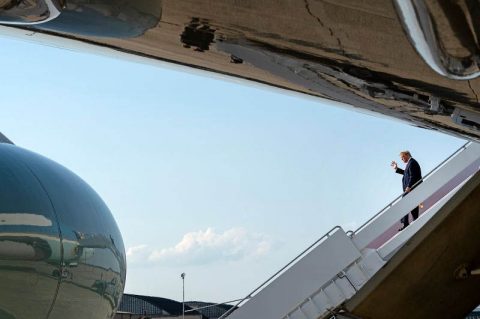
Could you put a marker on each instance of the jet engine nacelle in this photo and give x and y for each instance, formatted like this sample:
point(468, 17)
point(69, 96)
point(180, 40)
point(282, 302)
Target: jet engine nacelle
point(61, 253)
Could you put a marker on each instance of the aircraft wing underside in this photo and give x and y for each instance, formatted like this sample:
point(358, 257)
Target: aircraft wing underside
point(415, 61)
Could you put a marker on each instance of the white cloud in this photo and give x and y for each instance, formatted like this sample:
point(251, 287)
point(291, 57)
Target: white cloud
point(203, 247)
point(137, 253)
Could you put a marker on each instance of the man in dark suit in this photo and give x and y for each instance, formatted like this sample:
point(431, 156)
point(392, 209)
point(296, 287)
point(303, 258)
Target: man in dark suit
point(412, 176)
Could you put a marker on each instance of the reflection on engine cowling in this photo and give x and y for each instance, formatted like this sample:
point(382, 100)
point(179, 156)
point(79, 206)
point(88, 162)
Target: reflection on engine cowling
point(106, 18)
point(61, 253)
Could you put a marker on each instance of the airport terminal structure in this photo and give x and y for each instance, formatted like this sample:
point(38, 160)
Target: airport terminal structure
point(137, 306)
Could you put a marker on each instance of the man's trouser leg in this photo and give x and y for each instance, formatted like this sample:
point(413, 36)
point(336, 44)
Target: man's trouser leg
point(404, 221)
point(415, 213)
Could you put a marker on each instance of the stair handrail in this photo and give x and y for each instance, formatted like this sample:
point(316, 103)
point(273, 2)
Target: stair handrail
point(280, 271)
point(460, 149)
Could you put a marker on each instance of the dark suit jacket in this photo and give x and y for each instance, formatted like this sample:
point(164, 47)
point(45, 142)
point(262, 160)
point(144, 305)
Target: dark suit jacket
point(411, 175)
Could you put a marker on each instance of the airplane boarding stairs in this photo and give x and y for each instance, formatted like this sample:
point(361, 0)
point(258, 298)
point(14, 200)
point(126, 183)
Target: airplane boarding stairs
point(331, 272)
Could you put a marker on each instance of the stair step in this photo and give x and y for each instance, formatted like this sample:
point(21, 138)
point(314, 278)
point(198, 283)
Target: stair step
point(334, 293)
point(298, 314)
point(345, 285)
point(310, 309)
point(322, 301)
point(356, 275)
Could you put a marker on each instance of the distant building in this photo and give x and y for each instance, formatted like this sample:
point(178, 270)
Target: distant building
point(208, 309)
point(475, 314)
point(138, 306)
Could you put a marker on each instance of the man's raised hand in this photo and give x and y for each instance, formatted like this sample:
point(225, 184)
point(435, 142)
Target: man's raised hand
point(394, 165)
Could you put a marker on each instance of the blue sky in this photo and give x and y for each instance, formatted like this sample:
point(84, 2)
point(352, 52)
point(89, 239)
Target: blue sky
point(222, 179)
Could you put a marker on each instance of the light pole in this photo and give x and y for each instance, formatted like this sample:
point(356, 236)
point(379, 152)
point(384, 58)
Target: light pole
point(183, 294)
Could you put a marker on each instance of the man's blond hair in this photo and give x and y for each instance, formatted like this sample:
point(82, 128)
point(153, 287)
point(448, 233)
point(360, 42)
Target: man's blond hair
point(406, 153)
